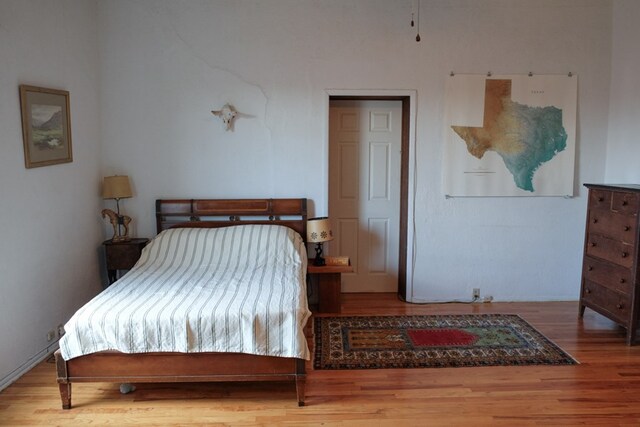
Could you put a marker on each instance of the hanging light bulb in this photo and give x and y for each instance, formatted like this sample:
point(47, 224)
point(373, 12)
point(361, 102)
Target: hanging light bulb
point(412, 24)
point(418, 28)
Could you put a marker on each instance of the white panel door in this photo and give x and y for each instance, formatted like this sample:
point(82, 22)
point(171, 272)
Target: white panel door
point(364, 191)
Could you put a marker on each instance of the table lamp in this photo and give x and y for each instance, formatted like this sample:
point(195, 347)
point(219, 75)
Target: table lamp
point(117, 187)
point(319, 231)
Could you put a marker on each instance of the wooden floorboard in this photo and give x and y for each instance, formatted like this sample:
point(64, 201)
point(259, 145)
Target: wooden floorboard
point(604, 389)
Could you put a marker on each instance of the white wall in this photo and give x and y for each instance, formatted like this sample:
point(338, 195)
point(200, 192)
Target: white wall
point(166, 64)
point(49, 215)
point(623, 149)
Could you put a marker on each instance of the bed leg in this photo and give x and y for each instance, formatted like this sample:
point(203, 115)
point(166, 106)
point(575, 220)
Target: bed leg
point(300, 385)
point(65, 395)
point(63, 380)
point(301, 378)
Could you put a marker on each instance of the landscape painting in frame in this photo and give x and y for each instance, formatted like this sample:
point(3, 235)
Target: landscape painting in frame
point(46, 126)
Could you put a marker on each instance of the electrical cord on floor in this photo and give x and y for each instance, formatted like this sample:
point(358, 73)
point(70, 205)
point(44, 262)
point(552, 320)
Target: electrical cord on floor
point(475, 299)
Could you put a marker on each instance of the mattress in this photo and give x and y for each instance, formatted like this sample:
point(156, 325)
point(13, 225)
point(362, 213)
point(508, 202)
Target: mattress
point(239, 289)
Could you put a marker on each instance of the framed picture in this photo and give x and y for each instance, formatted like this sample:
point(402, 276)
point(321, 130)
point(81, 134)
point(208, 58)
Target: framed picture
point(46, 126)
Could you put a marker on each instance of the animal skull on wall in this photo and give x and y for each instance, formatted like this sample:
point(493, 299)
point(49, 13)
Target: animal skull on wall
point(227, 114)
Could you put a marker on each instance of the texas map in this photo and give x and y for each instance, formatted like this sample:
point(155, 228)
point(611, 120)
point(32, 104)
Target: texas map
point(509, 135)
point(524, 136)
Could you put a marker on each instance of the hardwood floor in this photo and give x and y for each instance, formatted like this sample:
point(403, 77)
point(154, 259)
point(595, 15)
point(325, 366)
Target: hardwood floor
point(604, 389)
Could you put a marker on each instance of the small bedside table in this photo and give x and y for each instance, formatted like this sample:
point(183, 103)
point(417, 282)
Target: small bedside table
point(122, 255)
point(329, 281)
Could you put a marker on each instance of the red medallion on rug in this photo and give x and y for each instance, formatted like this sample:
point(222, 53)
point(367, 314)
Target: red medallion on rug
point(440, 337)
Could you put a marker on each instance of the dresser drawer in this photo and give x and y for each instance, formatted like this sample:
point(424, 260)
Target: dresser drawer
point(608, 275)
point(599, 199)
point(613, 303)
point(609, 249)
point(625, 203)
point(612, 224)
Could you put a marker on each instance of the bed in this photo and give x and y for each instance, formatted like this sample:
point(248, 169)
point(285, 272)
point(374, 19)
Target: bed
point(251, 243)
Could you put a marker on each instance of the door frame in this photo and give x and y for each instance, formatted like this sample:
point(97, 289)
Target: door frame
point(407, 171)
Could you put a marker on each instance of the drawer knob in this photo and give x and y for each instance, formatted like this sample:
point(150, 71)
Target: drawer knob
point(590, 268)
point(595, 220)
point(587, 291)
point(619, 306)
point(622, 280)
point(624, 203)
point(592, 244)
point(624, 254)
point(601, 199)
point(627, 228)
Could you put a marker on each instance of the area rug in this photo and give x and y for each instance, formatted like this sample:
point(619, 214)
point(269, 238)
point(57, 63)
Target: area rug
point(435, 341)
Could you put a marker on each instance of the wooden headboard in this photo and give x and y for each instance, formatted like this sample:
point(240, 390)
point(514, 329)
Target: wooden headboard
point(215, 213)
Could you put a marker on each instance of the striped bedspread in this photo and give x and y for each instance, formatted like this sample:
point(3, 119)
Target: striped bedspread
point(235, 289)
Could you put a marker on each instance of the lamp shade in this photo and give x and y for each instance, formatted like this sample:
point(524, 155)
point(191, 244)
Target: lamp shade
point(319, 230)
point(116, 187)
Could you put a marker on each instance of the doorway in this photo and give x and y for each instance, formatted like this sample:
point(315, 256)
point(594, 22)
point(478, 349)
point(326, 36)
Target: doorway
point(368, 189)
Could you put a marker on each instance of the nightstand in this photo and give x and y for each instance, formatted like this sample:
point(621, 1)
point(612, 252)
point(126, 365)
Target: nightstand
point(122, 255)
point(329, 280)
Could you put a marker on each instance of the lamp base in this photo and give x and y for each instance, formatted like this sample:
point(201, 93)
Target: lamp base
point(116, 221)
point(318, 261)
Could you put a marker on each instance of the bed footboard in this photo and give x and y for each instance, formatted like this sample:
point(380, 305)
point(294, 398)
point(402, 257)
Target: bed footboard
point(177, 367)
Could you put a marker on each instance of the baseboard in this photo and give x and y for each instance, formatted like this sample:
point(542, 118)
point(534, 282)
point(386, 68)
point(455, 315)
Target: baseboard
point(14, 375)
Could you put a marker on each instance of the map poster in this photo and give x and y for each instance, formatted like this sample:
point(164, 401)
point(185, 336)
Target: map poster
point(509, 135)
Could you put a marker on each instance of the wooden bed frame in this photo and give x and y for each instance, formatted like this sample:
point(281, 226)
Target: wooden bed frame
point(113, 366)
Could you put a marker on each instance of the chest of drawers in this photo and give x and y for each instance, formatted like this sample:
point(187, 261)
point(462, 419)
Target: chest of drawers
point(610, 279)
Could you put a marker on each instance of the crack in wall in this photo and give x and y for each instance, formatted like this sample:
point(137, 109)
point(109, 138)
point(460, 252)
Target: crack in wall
point(218, 68)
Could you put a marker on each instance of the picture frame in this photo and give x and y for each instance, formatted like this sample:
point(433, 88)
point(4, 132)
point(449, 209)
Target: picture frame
point(46, 126)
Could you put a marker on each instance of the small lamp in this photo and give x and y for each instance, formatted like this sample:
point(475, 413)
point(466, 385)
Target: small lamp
point(319, 231)
point(117, 187)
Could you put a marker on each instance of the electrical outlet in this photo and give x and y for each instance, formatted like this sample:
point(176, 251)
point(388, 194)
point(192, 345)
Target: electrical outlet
point(60, 330)
point(51, 335)
point(476, 293)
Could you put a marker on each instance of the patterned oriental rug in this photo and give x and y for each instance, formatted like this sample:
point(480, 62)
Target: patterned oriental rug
point(436, 341)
